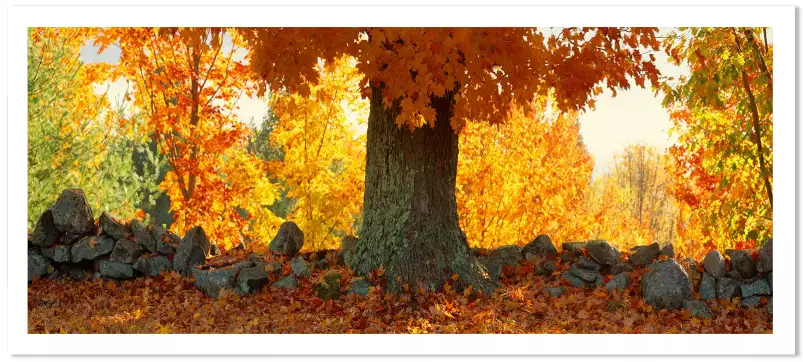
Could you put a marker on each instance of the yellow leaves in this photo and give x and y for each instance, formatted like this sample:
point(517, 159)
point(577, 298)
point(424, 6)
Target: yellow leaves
point(165, 329)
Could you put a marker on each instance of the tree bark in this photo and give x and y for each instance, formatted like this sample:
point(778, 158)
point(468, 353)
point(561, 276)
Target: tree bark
point(410, 221)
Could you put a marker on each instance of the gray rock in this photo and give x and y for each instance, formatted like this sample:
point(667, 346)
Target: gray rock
point(508, 255)
point(578, 282)
point(143, 236)
point(288, 240)
point(644, 255)
point(668, 250)
point(751, 302)
point(252, 280)
point(621, 268)
point(300, 268)
point(92, 248)
point(728, 288)
point(769, 280)
point(555, 291)
point(708, 287)
point(348, 245)
point(733, 274)
point(588, 264)
point(329, 288)
point(714, 264)
point(72, 215)
point(619, 281)
point(546, 268)
point(574, 246)
point(540, 247)
point(78, 274)
point(603, 252)
point(115, 270)
point(758, 287)
point(273, 268)
point(38, 266)
point(697, 309)
point(764, 264)
point(151, 265)
point(112, 226)
point(192, 251)
point(58, 253)
point(212, 281)
point(288, 282)
point(126, 251)
point(769, 306)
point(743, 263)
point(359, 286)
point(167, 244)
point(45, 233)
point(584, 274)
point(665, 284)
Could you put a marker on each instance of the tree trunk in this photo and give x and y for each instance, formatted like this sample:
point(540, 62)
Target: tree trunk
point(410, 222)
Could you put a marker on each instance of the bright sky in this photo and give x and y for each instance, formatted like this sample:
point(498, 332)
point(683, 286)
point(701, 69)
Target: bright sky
point(633, 116)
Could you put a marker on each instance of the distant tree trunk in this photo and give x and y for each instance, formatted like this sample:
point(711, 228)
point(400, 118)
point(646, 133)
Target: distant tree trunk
point(410, 221)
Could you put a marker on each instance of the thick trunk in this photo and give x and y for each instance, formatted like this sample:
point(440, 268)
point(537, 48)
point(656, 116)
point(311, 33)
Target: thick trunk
point(410, 222)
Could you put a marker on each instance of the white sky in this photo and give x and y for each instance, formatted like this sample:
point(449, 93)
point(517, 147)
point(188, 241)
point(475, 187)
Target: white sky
point(633, 116)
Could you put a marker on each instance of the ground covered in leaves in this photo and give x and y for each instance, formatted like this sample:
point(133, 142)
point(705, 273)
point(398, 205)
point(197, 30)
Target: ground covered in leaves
point(170, 304)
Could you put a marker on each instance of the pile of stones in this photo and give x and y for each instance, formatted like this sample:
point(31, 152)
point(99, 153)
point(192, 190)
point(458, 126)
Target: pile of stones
point(67, 241)
point(665, 282)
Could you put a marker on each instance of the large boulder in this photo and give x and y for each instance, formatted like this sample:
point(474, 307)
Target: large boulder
point(112, 226)
point(643, 255)
point(212, 281)
point(714, 264)
point(288, 240)
point(143, 236)
point(192, 251)
point(152, 265)
point(72, 215)
point(539, 248)
point(38, 266)
point(764, 264)
point(708, 287)
point(742, 262)
point(603, 252)
point(58, 253)
point(45, 233)
point(115, 270)
point(91, 248)
point(252, 279)
point(665, 284)
point(126, 251)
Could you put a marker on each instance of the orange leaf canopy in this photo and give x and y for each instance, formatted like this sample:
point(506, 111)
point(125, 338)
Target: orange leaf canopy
point(486, 70)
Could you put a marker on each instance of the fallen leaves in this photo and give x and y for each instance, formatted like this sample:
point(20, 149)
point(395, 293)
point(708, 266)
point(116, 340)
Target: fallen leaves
point(170, 304)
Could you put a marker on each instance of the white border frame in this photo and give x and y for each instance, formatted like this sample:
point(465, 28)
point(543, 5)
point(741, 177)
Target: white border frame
point(782, 19)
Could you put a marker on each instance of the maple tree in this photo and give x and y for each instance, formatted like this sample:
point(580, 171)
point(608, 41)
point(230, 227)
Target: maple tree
point(722, 114)
point(323, 159)
point(432, 81)
point(522, 178)
point(70, 127)
point(186, 83)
